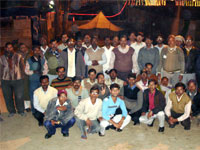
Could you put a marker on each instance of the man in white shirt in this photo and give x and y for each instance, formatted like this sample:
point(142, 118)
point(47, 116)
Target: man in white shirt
point(43, 45)
point(88, 111)
point(178, 107)
point(87, 41)
point(95, 56)
point(72, 60)
point(108, 49)
point(41, 97)
point(64, 39)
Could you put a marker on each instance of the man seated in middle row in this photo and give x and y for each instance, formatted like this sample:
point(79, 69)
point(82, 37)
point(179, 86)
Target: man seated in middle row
point(76, 92)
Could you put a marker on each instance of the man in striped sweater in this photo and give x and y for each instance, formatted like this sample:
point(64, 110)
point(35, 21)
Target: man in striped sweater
point(62, 81)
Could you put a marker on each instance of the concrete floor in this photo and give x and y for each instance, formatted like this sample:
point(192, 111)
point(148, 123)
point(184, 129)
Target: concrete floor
point(23, 133)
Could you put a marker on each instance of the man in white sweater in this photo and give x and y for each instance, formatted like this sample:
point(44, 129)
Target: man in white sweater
point(87, 113)
point(41, 97)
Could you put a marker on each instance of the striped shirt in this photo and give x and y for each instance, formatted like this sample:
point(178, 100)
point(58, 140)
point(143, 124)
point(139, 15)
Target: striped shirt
point(61, 84)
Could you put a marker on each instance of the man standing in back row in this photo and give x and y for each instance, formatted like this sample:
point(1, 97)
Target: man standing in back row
point(172, 62)
point(123, 59)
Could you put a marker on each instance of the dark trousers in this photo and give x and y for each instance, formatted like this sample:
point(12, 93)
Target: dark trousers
point(64, 127)
point(186, 123)
point(10, 87)
point(123, 75)
point(135, 116)
point(39, 116)
point(33, 85)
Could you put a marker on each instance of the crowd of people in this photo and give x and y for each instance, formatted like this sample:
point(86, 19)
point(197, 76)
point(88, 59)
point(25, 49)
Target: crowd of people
point(102, 88)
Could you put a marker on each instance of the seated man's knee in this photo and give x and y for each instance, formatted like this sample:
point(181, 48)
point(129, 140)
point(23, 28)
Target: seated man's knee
point(161, 114)
point(47, 123)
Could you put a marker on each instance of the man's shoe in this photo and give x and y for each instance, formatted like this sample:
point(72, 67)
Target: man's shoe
point(23, 114)
point(47, 136)
point(28, 110)
point(101, 134)
point(135, 123)
point(119, 130)
point(186, 128)
point(151, 125)
point(161, 129)
point(65, 134)
point(40, 124)
point(11, 114)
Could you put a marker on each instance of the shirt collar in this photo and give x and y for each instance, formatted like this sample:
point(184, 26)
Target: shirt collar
point(179, 99)
point(58, 103)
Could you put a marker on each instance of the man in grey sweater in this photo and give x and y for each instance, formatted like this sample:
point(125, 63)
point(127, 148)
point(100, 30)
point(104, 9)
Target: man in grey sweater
point(148, 54)
point(172, 62)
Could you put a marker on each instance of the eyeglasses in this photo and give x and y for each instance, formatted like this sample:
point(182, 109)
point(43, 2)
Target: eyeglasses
point(188, 40)
point(94, 93)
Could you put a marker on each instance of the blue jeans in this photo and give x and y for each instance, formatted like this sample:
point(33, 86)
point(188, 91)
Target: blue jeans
point(64, 128)
point(33, 85)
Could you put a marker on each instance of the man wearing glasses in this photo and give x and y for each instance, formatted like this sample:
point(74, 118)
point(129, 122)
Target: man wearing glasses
point(88, 112)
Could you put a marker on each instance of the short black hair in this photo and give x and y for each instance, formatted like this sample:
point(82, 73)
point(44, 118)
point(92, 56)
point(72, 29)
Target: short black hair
point(192, 81)
point(180, 84)
point(76, 78)
point(115, 70)
point(189, 36)
point(123, 36)
point(107, 37)
point(114, 85)
point(131, 75)
point(148, 37)
point(35, 46)
point(92, 70)
point(152, 80)
point(164, 78)
point(100, 73)
point(58, 68)
point(149, 64)
point(94, 87)
point(43, 77)
point(53, 40)
point(8, 43)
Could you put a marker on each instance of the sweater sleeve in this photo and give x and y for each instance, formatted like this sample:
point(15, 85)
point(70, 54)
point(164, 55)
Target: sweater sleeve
point(123, 108)
point(104, 109)
point(182, 61)
point(79, 111)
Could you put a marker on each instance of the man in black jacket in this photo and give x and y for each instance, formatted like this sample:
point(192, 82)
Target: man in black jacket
point(195, 97)
point(190, 53)
point(153, 106)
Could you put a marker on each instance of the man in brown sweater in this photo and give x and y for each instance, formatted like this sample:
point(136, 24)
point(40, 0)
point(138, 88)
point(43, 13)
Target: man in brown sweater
point(172, 62)
point(123, 59)
point(95, 56)
point(178, 107)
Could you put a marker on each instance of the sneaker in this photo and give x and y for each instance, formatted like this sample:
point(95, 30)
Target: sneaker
point(119, 130)
point(100, 134)
point(83, 137)
point(47, 136)
point(28, 110)
point(65, 134)
point(11, 114)
point(151, 125)
point(161, 129)
point(23, 114)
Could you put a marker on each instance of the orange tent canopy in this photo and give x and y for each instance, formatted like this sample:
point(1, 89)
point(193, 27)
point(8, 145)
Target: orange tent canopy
point(100, 22)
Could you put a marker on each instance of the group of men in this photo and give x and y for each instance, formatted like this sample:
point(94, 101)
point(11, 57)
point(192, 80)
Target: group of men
point(103, 88)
